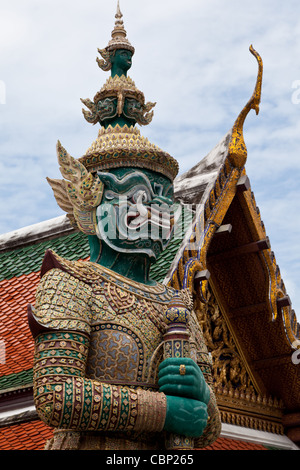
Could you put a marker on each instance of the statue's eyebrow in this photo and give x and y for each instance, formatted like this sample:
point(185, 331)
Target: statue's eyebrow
point(127, 183)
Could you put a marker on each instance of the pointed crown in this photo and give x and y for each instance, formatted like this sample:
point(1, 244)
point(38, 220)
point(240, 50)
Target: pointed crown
point(118, 40)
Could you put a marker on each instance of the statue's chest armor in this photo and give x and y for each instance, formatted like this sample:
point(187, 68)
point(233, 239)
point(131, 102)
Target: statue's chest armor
point(126, 335)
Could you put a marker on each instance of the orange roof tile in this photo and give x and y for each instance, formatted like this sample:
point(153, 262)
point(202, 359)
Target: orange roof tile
point(26, 436)
point(33, 436)
point(223, 443)
point(16, 294)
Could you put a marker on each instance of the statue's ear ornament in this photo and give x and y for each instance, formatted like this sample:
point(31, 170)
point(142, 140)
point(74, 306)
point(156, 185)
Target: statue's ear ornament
point(79, 193)
point(105, 62)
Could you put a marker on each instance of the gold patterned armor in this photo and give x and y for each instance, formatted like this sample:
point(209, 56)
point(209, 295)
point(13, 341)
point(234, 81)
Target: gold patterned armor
point(99, 342)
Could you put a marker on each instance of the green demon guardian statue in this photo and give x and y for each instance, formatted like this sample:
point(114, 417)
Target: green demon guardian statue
point(120, 360)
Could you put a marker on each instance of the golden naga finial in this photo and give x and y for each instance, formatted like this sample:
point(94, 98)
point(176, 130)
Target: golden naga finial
point(237, 148)
point(255, 100)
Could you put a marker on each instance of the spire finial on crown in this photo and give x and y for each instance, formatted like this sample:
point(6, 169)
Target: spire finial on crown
point(119, 24)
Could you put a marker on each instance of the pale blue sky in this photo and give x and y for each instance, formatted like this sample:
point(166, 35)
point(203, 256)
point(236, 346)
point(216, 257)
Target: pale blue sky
point(191, 57)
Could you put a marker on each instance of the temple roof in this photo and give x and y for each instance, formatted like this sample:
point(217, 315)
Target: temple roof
point(192, 186)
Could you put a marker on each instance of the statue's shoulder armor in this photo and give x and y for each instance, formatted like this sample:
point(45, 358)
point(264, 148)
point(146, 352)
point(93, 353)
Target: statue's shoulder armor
point(63, 296)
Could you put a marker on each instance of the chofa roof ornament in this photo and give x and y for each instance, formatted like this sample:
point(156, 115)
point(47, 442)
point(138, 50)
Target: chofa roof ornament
point(237, 148)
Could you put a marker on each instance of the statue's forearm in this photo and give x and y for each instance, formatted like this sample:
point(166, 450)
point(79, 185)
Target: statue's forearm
point(65, 398)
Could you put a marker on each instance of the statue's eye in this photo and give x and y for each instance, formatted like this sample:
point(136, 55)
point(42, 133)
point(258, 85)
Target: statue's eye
point(110, 195)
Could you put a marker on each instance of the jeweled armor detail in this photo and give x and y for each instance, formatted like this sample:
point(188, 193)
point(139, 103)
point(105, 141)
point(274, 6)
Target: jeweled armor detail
point(97, 355)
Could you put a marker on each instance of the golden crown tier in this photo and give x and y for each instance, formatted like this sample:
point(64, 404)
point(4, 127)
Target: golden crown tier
point(124, 146)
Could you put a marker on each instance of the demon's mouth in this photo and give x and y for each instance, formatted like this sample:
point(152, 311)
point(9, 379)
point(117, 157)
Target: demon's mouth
point(135, 219)
point(154, 215)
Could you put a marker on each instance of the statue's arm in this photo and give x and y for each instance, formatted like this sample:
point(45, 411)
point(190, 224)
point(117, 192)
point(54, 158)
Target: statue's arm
point(64, 397)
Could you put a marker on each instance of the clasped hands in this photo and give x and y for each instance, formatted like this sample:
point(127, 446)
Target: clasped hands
point(187, 396)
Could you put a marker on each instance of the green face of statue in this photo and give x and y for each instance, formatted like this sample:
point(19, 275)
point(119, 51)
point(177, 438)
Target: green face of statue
point(136, 215)
point(121, 62)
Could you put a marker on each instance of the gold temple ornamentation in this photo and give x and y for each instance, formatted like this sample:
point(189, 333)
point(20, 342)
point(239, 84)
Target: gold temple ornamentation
point(238, 399)
point(193, 256)
point(276, 288)
point(237, 148)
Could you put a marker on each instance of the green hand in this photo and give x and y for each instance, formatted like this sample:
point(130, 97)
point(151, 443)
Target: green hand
point(190, 385)
point(185, 416)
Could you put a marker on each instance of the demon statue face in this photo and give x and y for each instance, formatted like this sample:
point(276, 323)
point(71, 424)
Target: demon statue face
point(136, 214)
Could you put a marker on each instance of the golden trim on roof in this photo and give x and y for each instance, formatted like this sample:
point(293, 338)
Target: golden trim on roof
point(238, 396)
point(194, 255)
point(277, 288)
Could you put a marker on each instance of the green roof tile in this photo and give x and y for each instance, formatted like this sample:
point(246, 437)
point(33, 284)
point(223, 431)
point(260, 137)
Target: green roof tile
point(16, 380)
point(25, 260)
point(160, 269)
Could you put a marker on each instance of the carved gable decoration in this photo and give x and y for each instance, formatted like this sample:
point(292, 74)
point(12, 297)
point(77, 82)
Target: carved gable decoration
point(237, 397)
